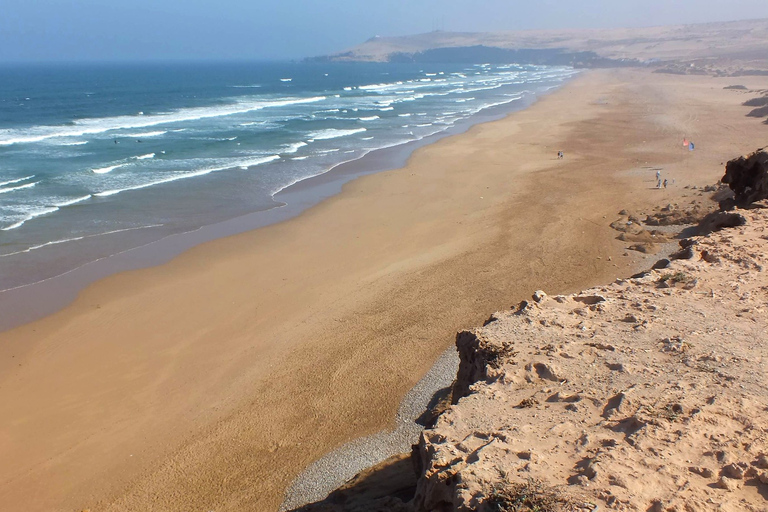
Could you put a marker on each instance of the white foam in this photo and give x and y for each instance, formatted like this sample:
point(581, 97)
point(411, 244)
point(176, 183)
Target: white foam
point(184, 175)
point(18, 180)
point(91, 126)
point(300, 158)
point(333, 133)
point(74, 239)
point(144, 134)
point(78, 143)
point(73, 201)
point(366, 138)
point(286, 79)
point(30, 216)
point(379, 87)
point(105, 170)
point(369, 118)
point(144, 157)
point(387, 109)
point(292, 148)
point(20, 187)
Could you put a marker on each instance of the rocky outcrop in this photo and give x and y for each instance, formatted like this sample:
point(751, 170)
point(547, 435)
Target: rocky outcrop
point(648, 394)
point(748, 178)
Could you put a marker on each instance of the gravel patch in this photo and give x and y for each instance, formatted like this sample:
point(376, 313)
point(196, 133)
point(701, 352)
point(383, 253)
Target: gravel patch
point(334, 469)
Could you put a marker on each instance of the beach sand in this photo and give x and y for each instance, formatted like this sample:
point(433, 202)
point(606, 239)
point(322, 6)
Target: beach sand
point(210, 382)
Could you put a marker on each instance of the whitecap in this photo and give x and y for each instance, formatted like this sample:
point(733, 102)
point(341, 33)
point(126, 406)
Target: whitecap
point(144, 134)
point(144, 157)
point(82, 127)
point(105, 170)
point(333, 133)
point(73, 201)
point(184, 175)
point(369, 118)
point(293, 148)
point(30, 216)
point(17, 180)
point(20, 187)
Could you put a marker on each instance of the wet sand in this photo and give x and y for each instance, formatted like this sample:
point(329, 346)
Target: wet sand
point(211, 381)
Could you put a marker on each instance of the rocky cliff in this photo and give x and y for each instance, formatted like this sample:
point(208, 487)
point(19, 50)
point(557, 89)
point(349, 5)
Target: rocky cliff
point(647, 394)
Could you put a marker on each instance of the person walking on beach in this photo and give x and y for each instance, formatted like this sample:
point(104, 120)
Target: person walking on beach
point(665, 183)
point(658, 175)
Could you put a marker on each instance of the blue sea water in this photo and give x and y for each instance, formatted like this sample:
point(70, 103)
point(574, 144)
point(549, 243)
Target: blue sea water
point(97, 158)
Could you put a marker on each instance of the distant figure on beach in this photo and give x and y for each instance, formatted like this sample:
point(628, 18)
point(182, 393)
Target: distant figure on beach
point(665, 183)
point(658, 183)
point(691, 147)
point(685, 143)
point(560, 155)
point(658, 175)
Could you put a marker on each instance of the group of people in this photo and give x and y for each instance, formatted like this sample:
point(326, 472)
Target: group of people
point(659, 183)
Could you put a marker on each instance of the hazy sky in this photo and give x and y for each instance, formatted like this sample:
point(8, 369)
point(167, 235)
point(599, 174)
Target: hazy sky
point(285, 29)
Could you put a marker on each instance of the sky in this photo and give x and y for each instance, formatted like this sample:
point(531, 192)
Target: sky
point(137, 30)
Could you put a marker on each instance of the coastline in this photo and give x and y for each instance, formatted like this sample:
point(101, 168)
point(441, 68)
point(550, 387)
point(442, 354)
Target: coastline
point(212, 380)
point(26, 303)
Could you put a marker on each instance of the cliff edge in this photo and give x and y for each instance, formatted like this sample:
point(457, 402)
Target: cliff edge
point(648, 394)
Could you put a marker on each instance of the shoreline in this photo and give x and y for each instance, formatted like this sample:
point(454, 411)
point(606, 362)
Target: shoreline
point(211, 381)
point(22, 304)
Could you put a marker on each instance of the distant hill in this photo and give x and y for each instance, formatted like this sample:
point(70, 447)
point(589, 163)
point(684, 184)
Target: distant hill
point(739, 43)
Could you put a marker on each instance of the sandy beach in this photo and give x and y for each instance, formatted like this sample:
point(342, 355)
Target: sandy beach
point(210, 382)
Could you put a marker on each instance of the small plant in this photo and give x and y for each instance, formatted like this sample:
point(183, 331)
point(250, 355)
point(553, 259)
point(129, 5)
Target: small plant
point(531, 496)
point(677, 277)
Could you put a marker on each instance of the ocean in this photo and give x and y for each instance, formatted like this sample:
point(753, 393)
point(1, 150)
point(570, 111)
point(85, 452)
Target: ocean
point(98, 159)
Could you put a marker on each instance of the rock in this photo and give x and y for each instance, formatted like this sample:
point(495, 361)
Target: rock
point(702, 471)
point(762, 461)
point(643, 248)
point(748, 178)
point(662, 263)
point(734, 471)
point(539, 296)
point(716, 221)
point(589, 299)
point(545, 371)
point(763, 477)
point(729, 484)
